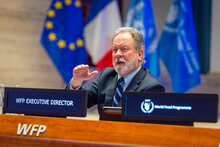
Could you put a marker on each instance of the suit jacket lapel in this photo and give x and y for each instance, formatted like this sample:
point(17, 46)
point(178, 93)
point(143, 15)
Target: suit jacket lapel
point(110, 91)
point(134, 84)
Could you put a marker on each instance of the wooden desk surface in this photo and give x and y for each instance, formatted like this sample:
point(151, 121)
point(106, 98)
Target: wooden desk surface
point(75, 132)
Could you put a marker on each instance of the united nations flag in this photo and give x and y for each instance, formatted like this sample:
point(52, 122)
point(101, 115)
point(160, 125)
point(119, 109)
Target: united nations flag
point(178, 47)
point(62, 36)
point(140, 16)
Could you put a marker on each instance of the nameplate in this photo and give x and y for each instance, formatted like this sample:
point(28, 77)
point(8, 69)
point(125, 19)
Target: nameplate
point(172, 107)
point(45, 102)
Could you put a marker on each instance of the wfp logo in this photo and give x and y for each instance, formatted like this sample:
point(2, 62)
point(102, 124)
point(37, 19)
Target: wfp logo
point(147, 106)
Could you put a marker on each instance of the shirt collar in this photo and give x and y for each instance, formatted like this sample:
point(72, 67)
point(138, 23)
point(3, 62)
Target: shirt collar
point(129, 77)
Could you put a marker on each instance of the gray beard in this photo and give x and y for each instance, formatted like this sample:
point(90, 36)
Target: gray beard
point(127, 68)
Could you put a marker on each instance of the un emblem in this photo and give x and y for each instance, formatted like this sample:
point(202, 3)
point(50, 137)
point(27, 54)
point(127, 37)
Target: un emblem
point(147, 106)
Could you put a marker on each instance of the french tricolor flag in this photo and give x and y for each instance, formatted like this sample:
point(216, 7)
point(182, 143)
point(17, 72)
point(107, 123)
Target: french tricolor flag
point(103, 20)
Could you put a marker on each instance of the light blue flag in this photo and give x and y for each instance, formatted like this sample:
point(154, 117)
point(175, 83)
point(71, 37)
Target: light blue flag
point(62, 36)
point(140, 16)
point(178, 47)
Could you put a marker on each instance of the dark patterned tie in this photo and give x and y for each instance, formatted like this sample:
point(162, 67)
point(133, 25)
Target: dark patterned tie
point(118, 92)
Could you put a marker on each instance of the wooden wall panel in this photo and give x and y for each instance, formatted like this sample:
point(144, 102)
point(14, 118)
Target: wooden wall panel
point(23, 61)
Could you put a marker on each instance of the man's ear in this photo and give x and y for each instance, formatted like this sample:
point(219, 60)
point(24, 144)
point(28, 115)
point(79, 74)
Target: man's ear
point(140, 54)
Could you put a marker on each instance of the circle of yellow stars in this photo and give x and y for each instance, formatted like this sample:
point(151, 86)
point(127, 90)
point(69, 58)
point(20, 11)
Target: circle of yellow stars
point(49, 25)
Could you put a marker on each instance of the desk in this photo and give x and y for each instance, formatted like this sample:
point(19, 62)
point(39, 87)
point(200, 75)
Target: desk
point(76, 132)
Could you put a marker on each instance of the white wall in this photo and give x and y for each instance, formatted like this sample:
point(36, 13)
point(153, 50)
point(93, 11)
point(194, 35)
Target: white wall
point(161, 8)
point(215, 37)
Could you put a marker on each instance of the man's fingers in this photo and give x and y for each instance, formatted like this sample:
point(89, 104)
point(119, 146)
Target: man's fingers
point(92, 74)
point(81, 68)
point(82, 72)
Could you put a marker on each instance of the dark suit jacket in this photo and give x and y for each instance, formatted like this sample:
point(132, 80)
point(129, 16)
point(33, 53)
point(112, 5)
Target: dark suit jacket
point(102, 90)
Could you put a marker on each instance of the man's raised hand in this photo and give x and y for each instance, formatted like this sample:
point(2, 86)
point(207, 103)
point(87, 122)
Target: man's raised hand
point(80, 74)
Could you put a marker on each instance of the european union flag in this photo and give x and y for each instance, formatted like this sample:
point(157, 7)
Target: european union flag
point(62, 36)
point(140, 16)
point(178, 48)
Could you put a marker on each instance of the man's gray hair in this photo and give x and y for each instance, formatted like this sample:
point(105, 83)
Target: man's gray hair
point(136, 35)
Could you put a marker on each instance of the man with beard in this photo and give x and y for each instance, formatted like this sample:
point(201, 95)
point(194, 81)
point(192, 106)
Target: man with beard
point(128, 57)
